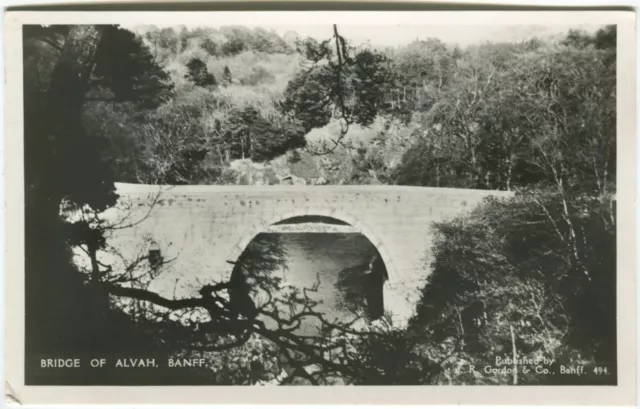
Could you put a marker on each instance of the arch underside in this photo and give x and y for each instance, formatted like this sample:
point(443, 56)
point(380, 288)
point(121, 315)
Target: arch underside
point(338, 218)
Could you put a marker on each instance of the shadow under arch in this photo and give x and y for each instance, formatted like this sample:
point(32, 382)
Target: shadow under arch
point(335, 214)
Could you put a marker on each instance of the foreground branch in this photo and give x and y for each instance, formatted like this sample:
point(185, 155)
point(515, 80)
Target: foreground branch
point(155, 298)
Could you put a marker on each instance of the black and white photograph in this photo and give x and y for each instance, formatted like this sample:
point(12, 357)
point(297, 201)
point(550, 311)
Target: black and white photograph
point(270, 203)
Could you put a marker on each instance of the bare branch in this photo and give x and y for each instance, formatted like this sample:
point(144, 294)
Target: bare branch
point(153, 297)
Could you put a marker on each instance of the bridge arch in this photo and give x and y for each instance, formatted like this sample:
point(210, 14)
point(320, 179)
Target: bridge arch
point(250, 233)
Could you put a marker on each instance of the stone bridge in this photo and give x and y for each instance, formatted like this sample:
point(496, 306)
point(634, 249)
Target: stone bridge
point(203, 227)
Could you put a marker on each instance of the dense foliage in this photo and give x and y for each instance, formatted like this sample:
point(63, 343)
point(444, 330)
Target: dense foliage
point(532, 276)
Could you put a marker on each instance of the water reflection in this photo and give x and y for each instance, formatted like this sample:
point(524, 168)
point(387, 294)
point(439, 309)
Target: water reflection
point(345, 269)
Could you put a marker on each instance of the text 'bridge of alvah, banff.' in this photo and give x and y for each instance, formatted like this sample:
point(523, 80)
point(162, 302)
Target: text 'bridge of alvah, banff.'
point(204, 229)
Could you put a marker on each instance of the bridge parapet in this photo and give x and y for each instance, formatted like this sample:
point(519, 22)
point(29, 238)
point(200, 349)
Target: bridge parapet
point(205, 226)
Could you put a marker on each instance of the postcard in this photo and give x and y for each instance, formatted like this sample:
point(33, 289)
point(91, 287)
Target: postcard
point(402, 207)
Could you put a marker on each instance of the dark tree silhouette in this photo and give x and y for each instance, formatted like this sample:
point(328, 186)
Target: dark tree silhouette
point(349, 87)
point(226, 76)
point(125, 66)
point(64, 168)
point(199, 73)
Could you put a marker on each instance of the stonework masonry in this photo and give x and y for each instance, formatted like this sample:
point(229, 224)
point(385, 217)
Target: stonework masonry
point(204, 227)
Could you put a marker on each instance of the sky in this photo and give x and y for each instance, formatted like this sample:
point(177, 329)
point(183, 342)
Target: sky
point(393, 35)
point(462, 35)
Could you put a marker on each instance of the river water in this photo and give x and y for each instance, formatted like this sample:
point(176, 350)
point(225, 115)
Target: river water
point(324, 258)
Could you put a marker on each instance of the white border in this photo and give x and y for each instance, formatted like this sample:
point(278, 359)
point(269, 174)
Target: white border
point(623, 394)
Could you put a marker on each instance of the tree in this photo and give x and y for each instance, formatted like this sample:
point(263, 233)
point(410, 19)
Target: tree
point(226, 76)
point(64, 167)
point(422, 69)
point(249, 135)
point(199, 73)
point(268, 41)
point(348, 87)
point(486, 127)
point(126, 68)
point(53, 137)
point(578, 39)
point(606, 38)
point(233, 46)
point(210, 46)
point(175, 146)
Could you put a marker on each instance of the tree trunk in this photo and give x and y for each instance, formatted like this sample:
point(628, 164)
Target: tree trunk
point(220, 155)
point(515, 355)
point(509, 173)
